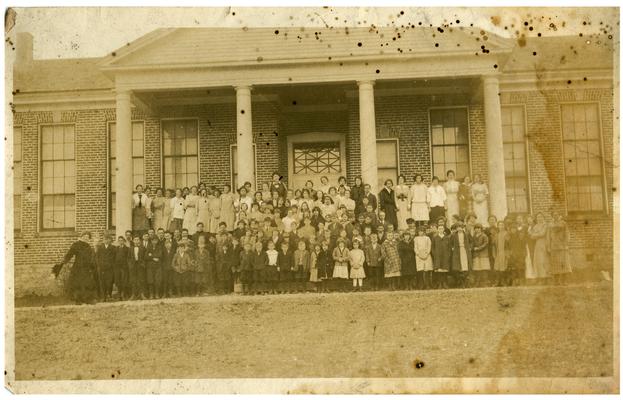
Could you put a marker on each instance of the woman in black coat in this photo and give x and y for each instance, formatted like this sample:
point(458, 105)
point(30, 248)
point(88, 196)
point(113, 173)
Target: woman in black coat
point(82, 284)
point(387, 203)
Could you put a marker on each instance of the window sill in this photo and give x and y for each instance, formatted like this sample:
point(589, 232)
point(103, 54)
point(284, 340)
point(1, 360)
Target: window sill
point(586, 215)
point(57, 233)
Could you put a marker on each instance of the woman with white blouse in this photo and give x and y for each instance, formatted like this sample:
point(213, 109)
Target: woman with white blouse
point(451, 186)
point(480, 195)
point(190, 215)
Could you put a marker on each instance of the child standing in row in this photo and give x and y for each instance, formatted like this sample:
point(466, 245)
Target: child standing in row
point(480, 261)
point(423, 261)
point(442, 256)
point(356, 259)
point(406, 248)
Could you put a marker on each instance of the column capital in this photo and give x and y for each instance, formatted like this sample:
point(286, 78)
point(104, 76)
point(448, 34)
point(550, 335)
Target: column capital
point(123, 93)
point(365, 83)
point(243, 88)
point(490, 79)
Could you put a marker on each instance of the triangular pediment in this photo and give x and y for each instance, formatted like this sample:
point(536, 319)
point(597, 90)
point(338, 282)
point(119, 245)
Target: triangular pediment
point(188, 47)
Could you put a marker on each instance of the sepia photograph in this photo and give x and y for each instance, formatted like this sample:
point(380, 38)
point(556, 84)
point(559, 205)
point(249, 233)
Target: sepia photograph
point(313, 200)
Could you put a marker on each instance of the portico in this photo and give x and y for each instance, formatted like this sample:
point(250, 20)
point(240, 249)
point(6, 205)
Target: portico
point(140, 72)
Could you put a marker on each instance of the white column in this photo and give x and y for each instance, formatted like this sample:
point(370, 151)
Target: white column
point(367, 129)
point(495, 147)
point(244, 135)
point(124, 166)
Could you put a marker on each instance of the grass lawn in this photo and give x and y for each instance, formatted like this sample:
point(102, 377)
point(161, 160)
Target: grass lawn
point(488, 332)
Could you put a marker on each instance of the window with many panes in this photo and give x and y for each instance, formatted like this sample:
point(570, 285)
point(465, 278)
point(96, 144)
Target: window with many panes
point(515, 160)
point(449, 141)
point(58, 177)
point(17, 178)
point(138, 162)
point(234, 168)
point(387, 161)
point(180, 144)
point(582, 157)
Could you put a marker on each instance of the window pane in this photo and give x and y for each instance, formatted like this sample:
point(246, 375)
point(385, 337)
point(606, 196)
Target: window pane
point(449, 135)
point(567, 113)
point(59, 134)
point(449, 154)
point(191, 146)
point(437, 133)
point(568, 131)
point(580, 130)
point(137, 148)
point(438, 154)
point(386, 154)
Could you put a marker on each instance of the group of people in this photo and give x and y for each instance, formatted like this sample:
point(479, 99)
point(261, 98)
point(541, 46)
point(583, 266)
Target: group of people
point(202, 240)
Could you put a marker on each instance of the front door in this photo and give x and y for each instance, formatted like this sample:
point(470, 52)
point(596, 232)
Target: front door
point(314, 155)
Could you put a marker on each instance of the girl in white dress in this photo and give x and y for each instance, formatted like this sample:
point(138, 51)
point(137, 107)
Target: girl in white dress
point(401, 197)
point(228, 214)
point(419, 206)
point(190, 215)
point(452, 197)
point(480, 194)
point(422, 246)
point(203, 210)
point(341, 257)
point(356, 259)
point(214, 205)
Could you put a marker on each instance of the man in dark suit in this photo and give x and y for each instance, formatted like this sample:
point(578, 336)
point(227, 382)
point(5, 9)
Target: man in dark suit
point(105, 263)
point(200, 232)
point(371, 199)
point(136, 269)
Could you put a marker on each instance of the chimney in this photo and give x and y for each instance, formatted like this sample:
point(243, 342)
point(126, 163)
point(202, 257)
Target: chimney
point(23, 48)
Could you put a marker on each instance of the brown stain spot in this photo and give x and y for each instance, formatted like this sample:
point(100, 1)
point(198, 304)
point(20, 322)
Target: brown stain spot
point(495, 20)
point(418, 364)
point(521, 41)
point(113, 54)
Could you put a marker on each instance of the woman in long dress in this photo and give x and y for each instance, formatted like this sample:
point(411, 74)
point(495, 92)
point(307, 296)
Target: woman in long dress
point(480, 194)
point(214, 205)
point(451, 186)
point(190, 215)
point(140, 213)
point(419, 206)
point(203, 210)
point(387, 203)
point(158, 203)
point(538, 232)
point(167, 210)
point(228, 214)
point(82, 285)
point(401, 193)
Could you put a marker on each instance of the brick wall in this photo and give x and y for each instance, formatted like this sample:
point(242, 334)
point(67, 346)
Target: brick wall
point(403, 117)
point(544, 132)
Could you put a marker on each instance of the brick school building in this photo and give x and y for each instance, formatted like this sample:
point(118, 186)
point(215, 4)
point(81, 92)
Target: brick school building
point(223, 106)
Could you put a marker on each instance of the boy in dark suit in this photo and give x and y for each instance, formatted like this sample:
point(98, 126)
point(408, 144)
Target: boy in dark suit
point(285, 263)
point(105, 264)
point(153, 266)
point(120, 269)
point(259, 260)
point(136, 269)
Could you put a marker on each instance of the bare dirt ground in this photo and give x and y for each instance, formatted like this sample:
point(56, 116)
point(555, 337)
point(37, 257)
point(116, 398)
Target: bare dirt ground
point(527, 331)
